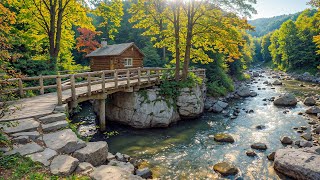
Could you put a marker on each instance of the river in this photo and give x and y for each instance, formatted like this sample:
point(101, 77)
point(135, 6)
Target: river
point(186, 150)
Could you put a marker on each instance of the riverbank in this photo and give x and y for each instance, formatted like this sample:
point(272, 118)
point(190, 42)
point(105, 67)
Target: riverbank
point(187, 149)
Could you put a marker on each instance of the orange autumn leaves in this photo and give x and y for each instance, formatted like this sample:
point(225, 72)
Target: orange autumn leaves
point(86, 42)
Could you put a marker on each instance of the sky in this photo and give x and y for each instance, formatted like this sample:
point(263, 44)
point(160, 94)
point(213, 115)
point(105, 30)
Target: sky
point(270, 8)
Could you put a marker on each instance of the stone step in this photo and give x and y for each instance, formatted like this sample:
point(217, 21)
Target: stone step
point(63, 165)
point(32, 135)
point(44, 156)
point(20, 126)
point(64, 141)
point(54, 126)
point(25, 149)
point(53, 118)
point(95, 153)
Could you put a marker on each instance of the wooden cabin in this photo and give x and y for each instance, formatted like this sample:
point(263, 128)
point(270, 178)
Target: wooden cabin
point(116, 56)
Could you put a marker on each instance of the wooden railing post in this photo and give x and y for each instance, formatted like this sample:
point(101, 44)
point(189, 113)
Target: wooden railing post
point(103, 85)
point(73, 89)
point(158, 75)
point(20, 87)
point(116, 78)
point(128, 77)
point(41, 85)
point(89, 85)
point(139, 76)
point(59, 90)
point(148, 74)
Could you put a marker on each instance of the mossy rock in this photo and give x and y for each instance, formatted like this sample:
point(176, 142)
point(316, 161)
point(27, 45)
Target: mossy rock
point(225, 169)
point(224, 138)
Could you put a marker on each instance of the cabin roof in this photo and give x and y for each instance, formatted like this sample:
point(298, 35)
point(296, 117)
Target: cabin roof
point(112, 50)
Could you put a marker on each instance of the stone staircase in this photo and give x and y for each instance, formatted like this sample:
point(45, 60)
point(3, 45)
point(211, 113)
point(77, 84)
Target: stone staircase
point(48, 140)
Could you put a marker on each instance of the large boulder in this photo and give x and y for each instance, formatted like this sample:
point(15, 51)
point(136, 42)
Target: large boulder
point(143, 109)
point(224, 138)
point(190, 102)
point(309, 101)
point(298, 163)
point(243, 91)
point(313, 110)
point(285, 100)
point(63, 165)
point(107, 172)
point(218, 107)
point(225, 168)
point(94, 153)
point(147, 108)
point(64, 141)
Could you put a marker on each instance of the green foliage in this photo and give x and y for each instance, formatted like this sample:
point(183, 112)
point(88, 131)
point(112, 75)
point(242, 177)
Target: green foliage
point(111, 133)
point(19, 167)
point(152, 58)
point(292, 47)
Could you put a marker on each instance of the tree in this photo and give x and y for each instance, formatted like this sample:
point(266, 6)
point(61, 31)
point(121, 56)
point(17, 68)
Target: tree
point(192, 28)
point(110, 13)
point(86, 42)
point(316, 3)
point(152, 58)
point(265, 43)
point(51, 21)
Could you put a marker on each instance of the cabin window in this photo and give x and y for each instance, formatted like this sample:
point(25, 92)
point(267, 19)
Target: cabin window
point(127, 62)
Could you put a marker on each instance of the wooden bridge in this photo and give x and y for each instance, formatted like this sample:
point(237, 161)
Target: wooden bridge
point(72, 89)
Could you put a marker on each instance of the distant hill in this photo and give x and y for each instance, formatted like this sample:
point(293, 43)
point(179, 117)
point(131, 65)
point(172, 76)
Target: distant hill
point(266, 25)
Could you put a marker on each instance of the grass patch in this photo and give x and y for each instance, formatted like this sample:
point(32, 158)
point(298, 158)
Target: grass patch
point(16, 167)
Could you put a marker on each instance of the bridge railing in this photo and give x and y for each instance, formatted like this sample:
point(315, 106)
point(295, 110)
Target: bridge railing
point(115, 78)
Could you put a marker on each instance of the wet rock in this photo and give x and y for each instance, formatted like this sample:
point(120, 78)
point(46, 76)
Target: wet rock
point(24, 125)
point(266, 82)
point(243, 91)
point(260, 127)
point(251, 153)
point(300, 131)
point(120, 157)
point(44, 156)
point(286, 100)
point(277, 83)
point(271, 156)
point(297, 163)
point(313, 110)
point(225, 168)
point(110, 156)
point(286, 140)
point(64, 141)
point(259, 146)
point(307, 136)
point(304, 128)
point(253, 94)
point(123, 165)
point(251, 111)
point(63, 165)
point(255, 74)
point(305, 144)
point(107, 172)
point(144, 173)
point(94, 153)
point(309, 101)
point(317, 130)
point(218, 107)
point(223, 138)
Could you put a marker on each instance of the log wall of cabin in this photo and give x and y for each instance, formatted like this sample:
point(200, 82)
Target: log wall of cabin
point(103, 63)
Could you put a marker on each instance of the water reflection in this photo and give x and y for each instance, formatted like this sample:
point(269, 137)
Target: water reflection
point(186, 151)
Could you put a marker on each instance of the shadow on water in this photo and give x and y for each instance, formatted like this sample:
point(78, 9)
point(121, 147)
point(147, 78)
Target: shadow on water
point(186, 150)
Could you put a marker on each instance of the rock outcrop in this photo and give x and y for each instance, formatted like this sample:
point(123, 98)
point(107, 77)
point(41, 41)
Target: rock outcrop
point(94, 153)
point(298, 163)
point(147, 109)
point(285, 100)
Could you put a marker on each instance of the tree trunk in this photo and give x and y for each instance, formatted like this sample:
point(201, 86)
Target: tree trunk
point(188, 42)
point(177, 40)
point(52, 31)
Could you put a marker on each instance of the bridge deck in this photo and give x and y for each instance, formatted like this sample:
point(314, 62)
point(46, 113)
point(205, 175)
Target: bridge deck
point(45, 104)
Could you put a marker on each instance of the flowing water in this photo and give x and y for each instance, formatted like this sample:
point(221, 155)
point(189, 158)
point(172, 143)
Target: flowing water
point(186, 150)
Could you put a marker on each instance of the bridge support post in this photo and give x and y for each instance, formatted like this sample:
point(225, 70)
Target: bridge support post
point(102, 114)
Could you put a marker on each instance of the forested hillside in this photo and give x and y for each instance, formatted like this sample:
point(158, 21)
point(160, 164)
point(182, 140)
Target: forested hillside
point(265, 25)
point(293, 46)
